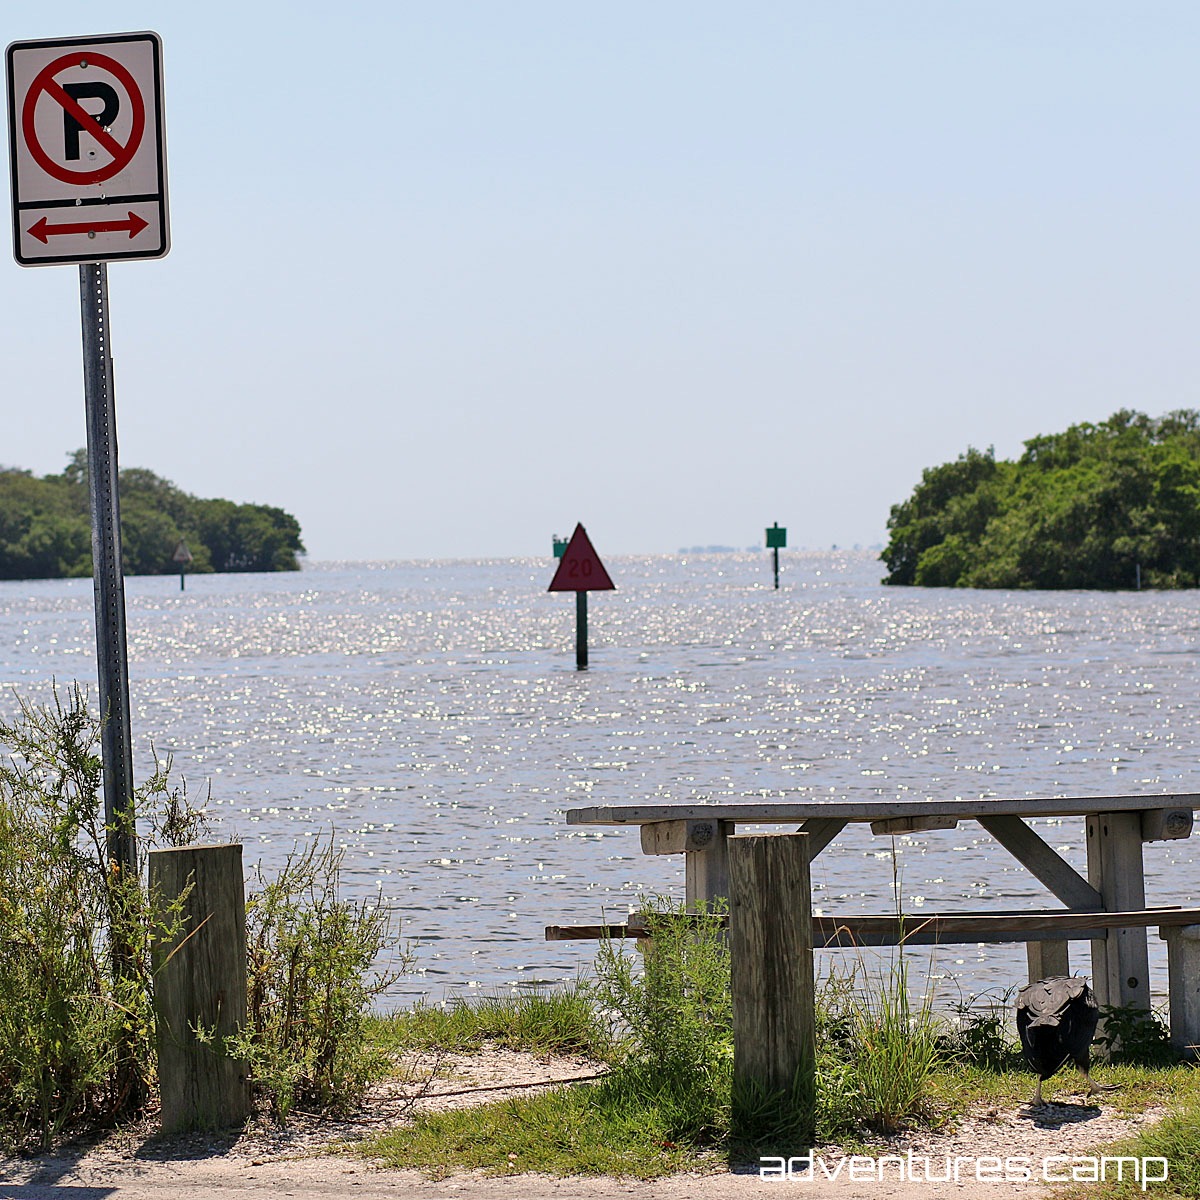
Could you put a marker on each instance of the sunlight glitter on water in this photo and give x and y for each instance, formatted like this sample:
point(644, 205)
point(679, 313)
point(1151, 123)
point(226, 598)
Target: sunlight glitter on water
point(429, 716)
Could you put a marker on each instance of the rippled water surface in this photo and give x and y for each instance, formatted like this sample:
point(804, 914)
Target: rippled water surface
point(431, 717)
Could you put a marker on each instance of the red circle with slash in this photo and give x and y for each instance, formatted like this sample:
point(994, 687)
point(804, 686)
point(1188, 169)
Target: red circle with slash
point(45, 82)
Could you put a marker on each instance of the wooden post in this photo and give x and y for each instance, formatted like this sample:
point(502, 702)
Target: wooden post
point(771, 966)
point(581, 655)
point(1120, 962)
point(200, 984)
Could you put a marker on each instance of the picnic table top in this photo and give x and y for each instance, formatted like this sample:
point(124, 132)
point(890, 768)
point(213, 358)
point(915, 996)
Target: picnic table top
point(787, 812)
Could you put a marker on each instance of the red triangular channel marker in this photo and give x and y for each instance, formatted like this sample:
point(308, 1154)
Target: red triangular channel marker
point(580, 569)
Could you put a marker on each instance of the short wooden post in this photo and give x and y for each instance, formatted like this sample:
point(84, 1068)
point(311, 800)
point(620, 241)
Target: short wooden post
point(771, 965)
point(200, 985)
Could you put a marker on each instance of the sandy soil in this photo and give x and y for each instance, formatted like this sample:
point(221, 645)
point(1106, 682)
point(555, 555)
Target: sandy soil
point(262, 1163)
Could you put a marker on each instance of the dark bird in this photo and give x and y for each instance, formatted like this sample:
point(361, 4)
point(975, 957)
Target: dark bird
point(1056, 1021)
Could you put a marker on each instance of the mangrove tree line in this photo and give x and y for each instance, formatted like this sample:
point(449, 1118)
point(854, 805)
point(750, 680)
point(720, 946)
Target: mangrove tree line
point(1100, 506)
point(45, 527)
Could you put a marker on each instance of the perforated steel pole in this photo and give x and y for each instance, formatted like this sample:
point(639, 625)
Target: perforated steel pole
point(111, 655)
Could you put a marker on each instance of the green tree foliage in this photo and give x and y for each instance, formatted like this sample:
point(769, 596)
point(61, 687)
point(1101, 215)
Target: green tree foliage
point(46, 533)
point(1088, 508)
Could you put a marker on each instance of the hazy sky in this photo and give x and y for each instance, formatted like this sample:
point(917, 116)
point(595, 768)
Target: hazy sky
point(448, 277)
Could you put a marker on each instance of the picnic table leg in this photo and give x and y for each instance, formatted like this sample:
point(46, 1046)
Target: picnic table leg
point(1120, 962)
point(1183, 969)
point(1047, 959)
point(706, 872)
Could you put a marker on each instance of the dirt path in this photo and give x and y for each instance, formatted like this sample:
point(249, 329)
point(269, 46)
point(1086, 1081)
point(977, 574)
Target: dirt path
point(267, 1164)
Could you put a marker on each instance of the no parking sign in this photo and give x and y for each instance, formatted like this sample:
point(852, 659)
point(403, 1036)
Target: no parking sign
point(87, 153)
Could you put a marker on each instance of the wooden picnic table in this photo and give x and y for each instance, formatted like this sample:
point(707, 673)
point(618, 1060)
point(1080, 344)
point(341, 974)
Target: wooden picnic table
point(1116, 827)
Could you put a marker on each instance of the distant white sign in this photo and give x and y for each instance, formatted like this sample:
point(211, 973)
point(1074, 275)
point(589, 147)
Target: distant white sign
point(87, 151)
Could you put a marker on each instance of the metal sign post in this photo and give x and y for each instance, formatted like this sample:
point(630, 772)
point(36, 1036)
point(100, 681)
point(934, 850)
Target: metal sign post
point(112, 660)
point(776, 537)
point(183, 556)
point(87, 171)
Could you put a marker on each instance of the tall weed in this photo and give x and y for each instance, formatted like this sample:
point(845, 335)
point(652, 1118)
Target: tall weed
point(982, 1034)
point(1132, 1035)
point(77, 1038)
point(76, 1019)
point(671, 1015)
point(311, 957)
point(876, 1050)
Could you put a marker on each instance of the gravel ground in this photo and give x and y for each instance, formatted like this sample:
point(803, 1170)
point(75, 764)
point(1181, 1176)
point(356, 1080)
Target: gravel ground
point(263, 1163)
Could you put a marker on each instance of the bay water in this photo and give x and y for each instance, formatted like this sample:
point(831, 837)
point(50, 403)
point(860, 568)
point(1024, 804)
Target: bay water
point(429, 718)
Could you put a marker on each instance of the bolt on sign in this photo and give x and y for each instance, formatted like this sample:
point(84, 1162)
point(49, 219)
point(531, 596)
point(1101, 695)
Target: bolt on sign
point(86, 149)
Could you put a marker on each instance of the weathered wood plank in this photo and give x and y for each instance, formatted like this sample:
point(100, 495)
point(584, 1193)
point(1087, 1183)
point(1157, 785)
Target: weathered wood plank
point(931, 928)
point(913, 824)
point(1166, 824)
point(821, 831)
point(771, 975)
point(1042, 861)
point(786, 812)
point(679, 837)
point(587, 933)
point(200, 983)
point(935, 928)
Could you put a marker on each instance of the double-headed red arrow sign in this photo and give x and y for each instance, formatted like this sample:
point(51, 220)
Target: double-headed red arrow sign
point(44, 231)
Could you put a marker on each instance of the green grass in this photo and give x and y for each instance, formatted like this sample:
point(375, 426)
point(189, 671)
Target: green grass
point(637, 1123)
point(615, 1127)
point(607, 1128)
point(563, 1021)
point(956, 1089)
point(1177, 1139)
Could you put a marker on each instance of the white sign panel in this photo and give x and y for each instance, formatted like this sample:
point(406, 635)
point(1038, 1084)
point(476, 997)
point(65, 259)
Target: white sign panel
point(86, 149)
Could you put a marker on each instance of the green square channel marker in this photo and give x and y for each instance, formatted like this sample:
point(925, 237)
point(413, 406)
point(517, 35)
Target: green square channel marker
point(776, 537)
